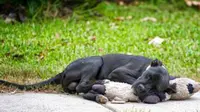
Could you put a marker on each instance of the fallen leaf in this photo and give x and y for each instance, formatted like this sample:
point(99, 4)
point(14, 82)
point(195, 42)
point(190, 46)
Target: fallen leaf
point(188, 2)
point(57, 35)
point(125, 2)
point(148, 19)
point(121, 3)
point(156, 41)
point(192, 3)
point(120, 18)
point(113, 26)
point(136, 3)
point(93, 38)
point(13, 92)
point(88, 22)
point(129, 17)
point(41, 55)
point(100, 50)
point(34, 33)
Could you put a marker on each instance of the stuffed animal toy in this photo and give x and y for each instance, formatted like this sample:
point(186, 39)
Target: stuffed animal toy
point(182, 88)
point(117, 92)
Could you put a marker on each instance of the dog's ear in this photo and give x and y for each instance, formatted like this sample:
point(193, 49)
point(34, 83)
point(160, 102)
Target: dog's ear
point(155, 63)
point(171, 89)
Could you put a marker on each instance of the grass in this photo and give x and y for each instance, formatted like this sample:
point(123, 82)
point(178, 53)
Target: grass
point(37, 50)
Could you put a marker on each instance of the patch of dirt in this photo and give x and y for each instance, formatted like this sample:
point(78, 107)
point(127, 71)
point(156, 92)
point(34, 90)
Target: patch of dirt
point(26, 80)
point(45, 89)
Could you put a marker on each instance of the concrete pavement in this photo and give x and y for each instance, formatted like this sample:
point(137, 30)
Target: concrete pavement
point(42, 102)
point(189, 105)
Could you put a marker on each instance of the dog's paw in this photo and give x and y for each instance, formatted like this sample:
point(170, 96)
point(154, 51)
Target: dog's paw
point(118, 100)
point(72, 86)
point(101, 99)
point(152, 99)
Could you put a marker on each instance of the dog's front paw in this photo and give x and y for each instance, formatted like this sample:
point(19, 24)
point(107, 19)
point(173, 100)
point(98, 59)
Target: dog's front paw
point(152, 99)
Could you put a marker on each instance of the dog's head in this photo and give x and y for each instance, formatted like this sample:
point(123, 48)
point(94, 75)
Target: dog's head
point(154, 77)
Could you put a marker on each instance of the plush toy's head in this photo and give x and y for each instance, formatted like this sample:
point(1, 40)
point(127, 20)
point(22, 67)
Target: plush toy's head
point(182, 88)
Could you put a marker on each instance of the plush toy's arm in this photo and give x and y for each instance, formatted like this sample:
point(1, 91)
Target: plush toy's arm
point(118, 100)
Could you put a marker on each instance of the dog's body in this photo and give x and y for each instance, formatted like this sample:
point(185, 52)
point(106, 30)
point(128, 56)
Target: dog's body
point(115, 67)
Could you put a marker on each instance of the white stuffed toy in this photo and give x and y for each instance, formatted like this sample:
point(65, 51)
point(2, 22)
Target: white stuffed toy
point(183, 88)
point(118, 92)
point(180, 89)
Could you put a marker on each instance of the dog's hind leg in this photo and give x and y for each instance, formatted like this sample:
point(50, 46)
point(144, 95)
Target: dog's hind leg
point(88, 76)
point(69, 81)
point(72, 87)
point(83, 71)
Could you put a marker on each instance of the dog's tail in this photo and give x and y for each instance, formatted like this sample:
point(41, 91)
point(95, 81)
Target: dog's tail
point(54, 80)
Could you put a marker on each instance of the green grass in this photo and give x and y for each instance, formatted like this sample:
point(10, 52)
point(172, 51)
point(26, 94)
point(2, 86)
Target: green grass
point(40, 49)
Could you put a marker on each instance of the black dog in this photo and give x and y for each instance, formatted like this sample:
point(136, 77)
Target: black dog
point(116, 67)
point(144, 94)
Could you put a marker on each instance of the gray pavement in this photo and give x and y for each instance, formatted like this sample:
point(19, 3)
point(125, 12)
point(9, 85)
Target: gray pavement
point(42, 102)
point(189, 105)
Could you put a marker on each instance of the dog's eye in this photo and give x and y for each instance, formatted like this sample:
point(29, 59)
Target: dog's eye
point(87, 82)
point(154, 76)
point(150, 77)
